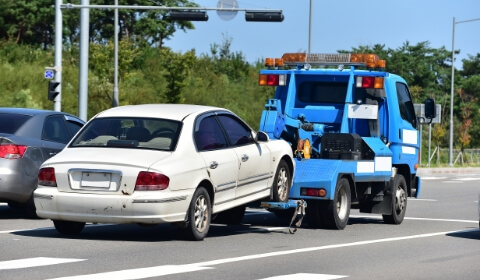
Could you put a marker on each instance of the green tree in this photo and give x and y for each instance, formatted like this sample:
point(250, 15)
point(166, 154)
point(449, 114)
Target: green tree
point(177, 67)
point(27, 22)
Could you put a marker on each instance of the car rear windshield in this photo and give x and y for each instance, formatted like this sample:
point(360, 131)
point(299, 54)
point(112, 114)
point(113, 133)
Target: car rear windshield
point(10, 123)
point(138, 133)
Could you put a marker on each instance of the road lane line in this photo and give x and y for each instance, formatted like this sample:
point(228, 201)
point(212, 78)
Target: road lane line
point(34, 262)
point(305, 276)
point(419, 219)
point(141, 273)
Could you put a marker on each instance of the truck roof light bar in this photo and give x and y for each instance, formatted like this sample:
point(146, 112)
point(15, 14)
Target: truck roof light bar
point(295, 59)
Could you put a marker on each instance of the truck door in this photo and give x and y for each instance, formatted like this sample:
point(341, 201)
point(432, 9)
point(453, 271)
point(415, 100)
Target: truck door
point(408, 143)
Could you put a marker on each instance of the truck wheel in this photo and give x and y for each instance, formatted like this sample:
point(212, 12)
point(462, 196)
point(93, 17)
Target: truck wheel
point(199, 215)
point(68, 227)
point(331, 214)
point(281, 183)
point(399, 201)
point(337, 211)
point(231, 216)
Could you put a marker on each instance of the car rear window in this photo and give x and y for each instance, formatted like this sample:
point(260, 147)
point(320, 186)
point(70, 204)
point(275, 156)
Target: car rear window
point(10, 123)
point(137, 133)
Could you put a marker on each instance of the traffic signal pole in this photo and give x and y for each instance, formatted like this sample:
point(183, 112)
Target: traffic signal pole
point(265, 15)
point(57, 102)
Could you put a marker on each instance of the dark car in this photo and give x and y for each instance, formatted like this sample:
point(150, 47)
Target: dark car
point(28, 137)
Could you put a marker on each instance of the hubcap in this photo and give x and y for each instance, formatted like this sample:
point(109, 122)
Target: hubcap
point(201, 213)
point(400, 200)
point(342, 204)
point(282, 184)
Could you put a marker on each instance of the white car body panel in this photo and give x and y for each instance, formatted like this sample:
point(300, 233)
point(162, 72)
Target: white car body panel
point(95, 201)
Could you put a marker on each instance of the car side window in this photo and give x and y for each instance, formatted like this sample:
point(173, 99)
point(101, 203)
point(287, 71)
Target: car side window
point(237, 132)
point(74, 126)
point(209, 135)
point(55, 129)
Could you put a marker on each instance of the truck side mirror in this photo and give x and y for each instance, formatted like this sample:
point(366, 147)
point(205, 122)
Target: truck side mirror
point(430, 109)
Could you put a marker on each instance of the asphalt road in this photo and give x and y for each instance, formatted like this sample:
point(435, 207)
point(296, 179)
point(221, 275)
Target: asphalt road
point(439, 239)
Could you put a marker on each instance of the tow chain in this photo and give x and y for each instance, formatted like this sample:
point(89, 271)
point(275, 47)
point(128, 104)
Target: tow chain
point(297, 218)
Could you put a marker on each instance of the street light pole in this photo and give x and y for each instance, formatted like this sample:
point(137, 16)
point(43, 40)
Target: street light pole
point(450, 156)
point(310, 29)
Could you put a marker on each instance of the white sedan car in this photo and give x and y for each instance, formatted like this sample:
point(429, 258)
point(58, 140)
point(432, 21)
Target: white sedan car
point(163, 163)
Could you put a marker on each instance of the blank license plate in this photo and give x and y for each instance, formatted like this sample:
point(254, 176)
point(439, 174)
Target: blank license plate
point(96, 180)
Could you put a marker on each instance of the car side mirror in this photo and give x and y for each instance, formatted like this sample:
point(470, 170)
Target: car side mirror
point(262, 137)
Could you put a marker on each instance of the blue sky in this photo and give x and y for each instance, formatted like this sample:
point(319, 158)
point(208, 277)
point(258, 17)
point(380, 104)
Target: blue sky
point(338, 25)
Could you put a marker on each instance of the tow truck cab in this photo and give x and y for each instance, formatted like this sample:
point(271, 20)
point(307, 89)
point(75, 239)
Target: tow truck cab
point(345, 125)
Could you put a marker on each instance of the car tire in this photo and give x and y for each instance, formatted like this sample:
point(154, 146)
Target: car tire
point(68, 227)
point(30, 209)
point(399, 201)
point(281, 183)
point(232, 216)
point(337, 211)
point(199, 215)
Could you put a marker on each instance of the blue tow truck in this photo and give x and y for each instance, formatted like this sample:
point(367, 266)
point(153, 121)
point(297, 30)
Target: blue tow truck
point(353, 129)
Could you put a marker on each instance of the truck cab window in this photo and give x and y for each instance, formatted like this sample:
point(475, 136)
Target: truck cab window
point(405, 104)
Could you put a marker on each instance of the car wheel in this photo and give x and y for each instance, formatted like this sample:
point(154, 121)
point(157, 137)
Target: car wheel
point(31, 210)
point(335, 213)
point(68, 227)
point(231, 216)
point(281, 183)
point(199, 215)
point(399, 201)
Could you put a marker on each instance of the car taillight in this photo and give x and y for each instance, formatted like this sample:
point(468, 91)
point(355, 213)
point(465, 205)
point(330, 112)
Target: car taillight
point(10, 151)
point(46, 177)
point(150, 181)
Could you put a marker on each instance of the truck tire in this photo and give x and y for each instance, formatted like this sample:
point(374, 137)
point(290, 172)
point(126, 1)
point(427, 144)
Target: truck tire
point(232, 216)
point(281, 183)
point(332, 214)
point(199, 215)
point(399, 201)
point(337, 211)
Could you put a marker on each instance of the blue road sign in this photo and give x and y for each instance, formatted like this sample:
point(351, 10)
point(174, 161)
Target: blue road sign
point(49, 74)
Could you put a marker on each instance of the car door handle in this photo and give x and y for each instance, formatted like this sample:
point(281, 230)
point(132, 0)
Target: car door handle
point(244, 158)
point(52, 154)
point(213, 165)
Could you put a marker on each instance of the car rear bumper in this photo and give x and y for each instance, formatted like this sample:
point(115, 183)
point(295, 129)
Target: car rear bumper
point(18, 179)
point(155, 208)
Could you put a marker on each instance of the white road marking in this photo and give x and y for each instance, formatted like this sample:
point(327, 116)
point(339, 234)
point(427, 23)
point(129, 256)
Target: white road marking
point(422, 199)
point(467, 179)
point(33, 262)
point(305, 276)
point(140, 273)
point(419, 219)
point(433, 178)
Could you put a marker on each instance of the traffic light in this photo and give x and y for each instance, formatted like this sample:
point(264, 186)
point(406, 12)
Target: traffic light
point(190, 16)
point(264, 16)
point(430, 108)
point(52, 92)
